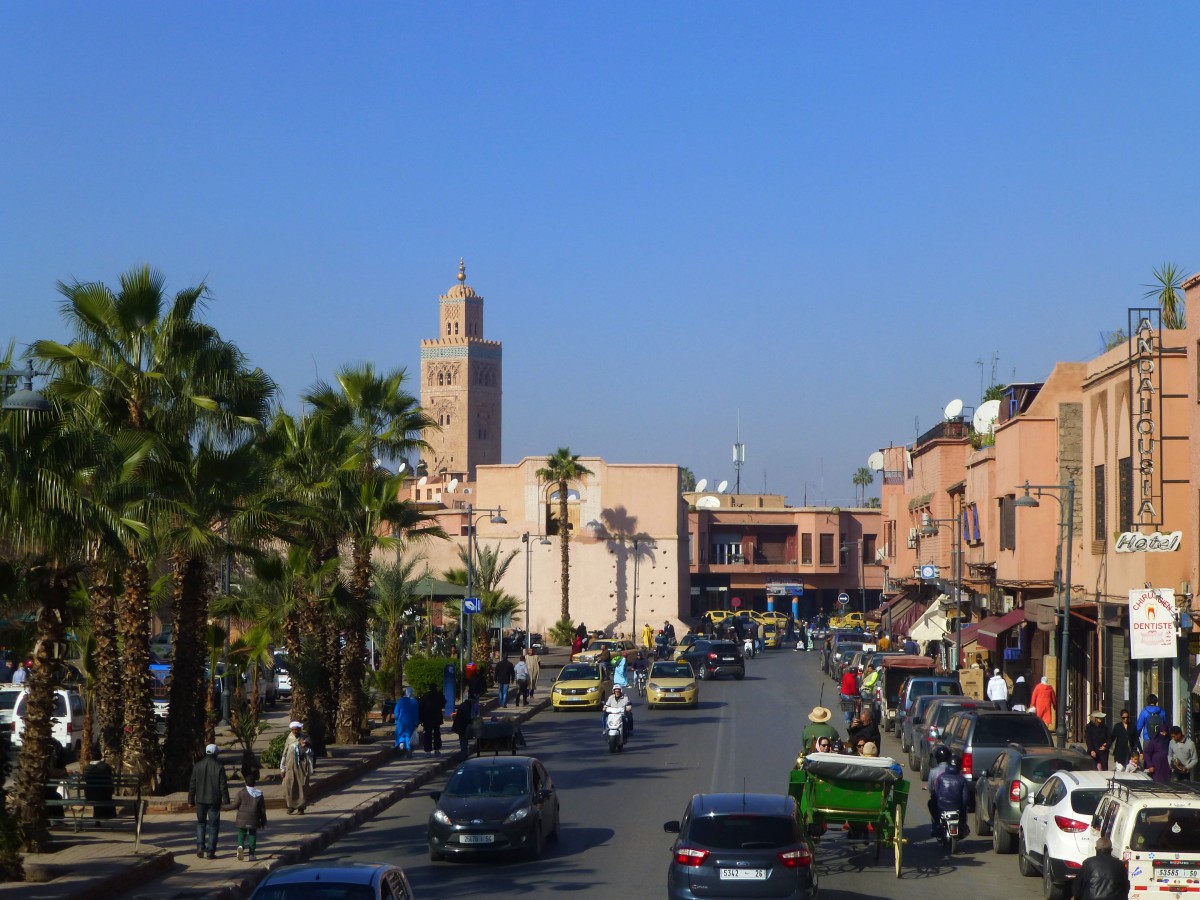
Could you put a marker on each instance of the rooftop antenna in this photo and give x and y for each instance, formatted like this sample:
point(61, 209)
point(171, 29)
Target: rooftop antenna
point(739, 455)
point(995, 358)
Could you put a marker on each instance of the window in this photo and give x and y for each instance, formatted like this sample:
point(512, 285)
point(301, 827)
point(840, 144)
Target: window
point(827, 549)
point(843, 550)
point(1008, 523)
point(806, 549)
point(1100, 532)
point(1125, 493)
point(868, 549)
point(975, 523)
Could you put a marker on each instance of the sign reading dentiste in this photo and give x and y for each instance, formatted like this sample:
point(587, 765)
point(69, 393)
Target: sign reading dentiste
point(1152, 624)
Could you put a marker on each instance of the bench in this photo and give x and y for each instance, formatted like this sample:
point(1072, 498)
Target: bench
point(102, 791)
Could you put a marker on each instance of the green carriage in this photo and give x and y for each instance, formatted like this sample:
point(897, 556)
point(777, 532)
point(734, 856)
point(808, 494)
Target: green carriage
point(834, 789)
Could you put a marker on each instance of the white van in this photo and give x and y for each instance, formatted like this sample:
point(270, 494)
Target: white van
point(8, 700)
point(67, 728)
point(1155, 829)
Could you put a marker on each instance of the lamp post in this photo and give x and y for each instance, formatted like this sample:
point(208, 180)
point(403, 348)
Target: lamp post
point(527, 540)
point(497, 518)
point(1067, 512)
point(862, 575)
point(23, 399)
point(930, 527)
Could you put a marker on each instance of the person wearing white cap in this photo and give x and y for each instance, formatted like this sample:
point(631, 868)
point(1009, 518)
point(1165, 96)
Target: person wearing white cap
point(296, 766)
point(997, 690)
point(208, 790)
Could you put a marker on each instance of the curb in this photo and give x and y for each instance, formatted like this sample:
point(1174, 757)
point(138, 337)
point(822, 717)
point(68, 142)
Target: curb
point(103, 887)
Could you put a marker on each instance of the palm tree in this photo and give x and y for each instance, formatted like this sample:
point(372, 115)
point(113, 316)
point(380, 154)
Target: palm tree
point(1167, 292)
point(395, 608)
point(495, 606)
point(862, 479)
point(563, 468)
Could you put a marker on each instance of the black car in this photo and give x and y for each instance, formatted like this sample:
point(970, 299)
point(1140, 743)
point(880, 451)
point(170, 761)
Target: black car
point(740, 845)
point(710, 659)
point(977, 737)
point(362, 881)
point(497, 804)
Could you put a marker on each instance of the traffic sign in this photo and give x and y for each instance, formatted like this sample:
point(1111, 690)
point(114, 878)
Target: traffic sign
point(471, 606)
point(928, 571)
point(843, 599)
point(736, 602)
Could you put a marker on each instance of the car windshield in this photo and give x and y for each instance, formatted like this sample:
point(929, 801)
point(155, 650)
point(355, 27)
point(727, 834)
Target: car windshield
point(316, 890)
point(8, 699)
point(671, 670)
point(489, 781)
point(991, 730)
point(945, 711)
point(744, 832)
point(576, 672)
point(1085, 801)
point(846, 648)
point(930, 688)
point(722, 646)
point(1039, 768)
point(1166, 831)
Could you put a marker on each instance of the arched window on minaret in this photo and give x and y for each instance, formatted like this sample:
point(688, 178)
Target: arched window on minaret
point(440, 382)
point(447, 329)
point(456, 329)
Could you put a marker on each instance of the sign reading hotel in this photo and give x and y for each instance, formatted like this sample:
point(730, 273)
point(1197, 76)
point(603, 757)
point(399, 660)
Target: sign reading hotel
point(1145, 411)
point(1155, 542)
point(1152, 624)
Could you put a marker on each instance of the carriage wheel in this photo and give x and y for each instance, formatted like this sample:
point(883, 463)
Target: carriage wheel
point(898, 836)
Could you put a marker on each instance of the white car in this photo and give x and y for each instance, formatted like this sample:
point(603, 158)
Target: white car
point(66, 726)
point(8, 701)
point(1056, 833)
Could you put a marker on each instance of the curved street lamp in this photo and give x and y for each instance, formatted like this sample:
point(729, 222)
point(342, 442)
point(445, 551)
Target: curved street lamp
point(497, 518)
point(929, 527)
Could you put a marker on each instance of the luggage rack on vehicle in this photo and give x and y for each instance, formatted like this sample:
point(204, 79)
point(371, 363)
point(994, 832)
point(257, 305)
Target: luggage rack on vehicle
point(1127, 788)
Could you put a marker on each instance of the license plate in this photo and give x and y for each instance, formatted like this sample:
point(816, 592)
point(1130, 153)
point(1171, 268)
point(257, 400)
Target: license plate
point(728, 658)
point(744, 874)
point(1175, 873)
point(477, 838)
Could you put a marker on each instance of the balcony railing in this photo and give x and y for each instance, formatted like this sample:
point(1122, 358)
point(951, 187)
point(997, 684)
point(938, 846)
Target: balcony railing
point(949, 428)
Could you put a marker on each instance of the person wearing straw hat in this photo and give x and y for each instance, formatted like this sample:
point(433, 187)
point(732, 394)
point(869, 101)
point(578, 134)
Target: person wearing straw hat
point(296, 766)
point(1095, 736)
point(818, 726)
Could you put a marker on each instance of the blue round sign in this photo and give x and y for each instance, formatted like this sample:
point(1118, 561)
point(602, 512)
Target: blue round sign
point(928, 571)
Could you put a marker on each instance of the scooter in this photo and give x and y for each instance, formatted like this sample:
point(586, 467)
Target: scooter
point(641, 677)
point(615, 728)
point(748, 648)
point(952, 830)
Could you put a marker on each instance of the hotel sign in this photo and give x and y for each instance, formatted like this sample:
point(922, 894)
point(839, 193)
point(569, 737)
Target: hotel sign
point(1145, 410)
point(1155, 542)
point(1152, 624)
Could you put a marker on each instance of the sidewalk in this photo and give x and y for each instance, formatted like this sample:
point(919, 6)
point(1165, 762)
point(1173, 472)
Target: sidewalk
point(353, 785)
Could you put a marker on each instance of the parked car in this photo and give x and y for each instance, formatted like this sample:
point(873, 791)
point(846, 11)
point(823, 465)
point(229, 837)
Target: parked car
point(1055, 834)
point(1005, 787)
point(711, 659)
point(843, 652)
point(927, 728)
point(902, 680)
point(66, 725)
point(283, 678)
point(1155, 828)
point(537, 643)
point(908, 724)
point(8, 701)
point(362, 881)
point(976, 737)
point(743, 845)
point(494, 805)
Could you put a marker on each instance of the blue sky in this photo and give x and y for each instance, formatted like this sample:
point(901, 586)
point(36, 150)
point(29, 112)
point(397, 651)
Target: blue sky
point(819, 215)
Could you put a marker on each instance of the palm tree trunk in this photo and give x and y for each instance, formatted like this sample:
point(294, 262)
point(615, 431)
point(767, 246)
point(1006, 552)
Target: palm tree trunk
point(564, 539)
point(38, 748)
point(186, 718)
point(140, 746)
point(109, 700)
point(350, 702)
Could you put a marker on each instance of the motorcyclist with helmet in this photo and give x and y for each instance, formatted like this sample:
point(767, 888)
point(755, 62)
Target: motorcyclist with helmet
point(617, 703)
point(948, 792)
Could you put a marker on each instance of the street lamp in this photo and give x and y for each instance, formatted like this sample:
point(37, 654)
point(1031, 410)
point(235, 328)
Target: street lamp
point(1067, 512)
point(929, 527)
point(25, 399)
point(526, 539)
point(862, 577)
point(497, 518)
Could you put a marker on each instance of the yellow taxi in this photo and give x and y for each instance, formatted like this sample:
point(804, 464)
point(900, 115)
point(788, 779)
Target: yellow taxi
point(615, 647)
point(672, 684)
point(686, 641)
point(849, 620)
point(775, 616)
point(771, 635)
point(579, 686)
point(717, 616)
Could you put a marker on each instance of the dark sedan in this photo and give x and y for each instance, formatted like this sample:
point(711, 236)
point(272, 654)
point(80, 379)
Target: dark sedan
point(494, 805)
point(344, 881)
point(710, 659)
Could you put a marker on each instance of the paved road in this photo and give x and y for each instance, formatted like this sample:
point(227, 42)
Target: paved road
point(744, 736)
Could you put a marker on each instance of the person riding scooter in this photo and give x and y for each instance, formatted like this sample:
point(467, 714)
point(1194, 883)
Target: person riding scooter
point(618, 702)
point(947, 793)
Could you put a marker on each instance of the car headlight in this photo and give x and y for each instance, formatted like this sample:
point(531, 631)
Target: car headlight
point(517, 816)
point(441, 818)
point(654, 687)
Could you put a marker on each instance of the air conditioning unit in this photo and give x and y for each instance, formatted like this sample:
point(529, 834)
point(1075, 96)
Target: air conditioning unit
point(881, 554)
point(913, 537)
point(1007, 602)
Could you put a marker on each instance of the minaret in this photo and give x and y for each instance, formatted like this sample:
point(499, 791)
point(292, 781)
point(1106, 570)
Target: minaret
point(460, 387)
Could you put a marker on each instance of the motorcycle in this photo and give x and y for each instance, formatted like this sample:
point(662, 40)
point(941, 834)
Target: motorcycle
point(615, 729)
point(748, 648)
point(952, 831)
point(641, 677)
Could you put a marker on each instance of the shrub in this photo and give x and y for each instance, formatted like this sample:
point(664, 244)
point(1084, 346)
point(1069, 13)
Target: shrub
point(562, 632)
point(423, 672)
point(273, 755)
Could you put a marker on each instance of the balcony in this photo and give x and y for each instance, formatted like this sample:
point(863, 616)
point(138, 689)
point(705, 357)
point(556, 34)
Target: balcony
point(948, 429)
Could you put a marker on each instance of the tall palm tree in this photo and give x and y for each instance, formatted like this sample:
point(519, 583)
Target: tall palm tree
point(862, 479)
point(396, 607)
point(495, 606)
point(563, 468)
point(1167, 292)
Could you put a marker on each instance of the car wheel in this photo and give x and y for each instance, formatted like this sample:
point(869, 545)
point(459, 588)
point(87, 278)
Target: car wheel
point(1003, 841)
point(740, 675)
point(434, 856)
point(983, 827)
point(924, 768)
point(1051, 889)
point(701, 674)
point(553, 835)
point(1024, 864)
point(539, 843)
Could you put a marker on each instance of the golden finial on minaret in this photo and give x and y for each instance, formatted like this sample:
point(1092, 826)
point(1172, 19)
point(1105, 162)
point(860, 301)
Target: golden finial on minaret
point(462, 270)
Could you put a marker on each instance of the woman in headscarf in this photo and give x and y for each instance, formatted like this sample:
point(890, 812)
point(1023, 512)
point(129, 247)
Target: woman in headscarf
point(1042, 700)
point(408, 716)
point(1155, 758)
point(619, 675)
point(296, 766)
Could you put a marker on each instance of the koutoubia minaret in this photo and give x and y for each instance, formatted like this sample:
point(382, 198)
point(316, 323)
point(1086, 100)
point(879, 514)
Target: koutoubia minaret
point(461, 387)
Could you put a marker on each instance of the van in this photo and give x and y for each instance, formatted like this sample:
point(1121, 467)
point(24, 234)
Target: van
point(1155, 830)
point(66, 725)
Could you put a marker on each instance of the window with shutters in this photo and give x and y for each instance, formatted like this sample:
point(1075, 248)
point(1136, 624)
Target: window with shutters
point(1008, 522)
point(806, 549)
point(1100, 532)
point(827, 549)
point(1125, 493)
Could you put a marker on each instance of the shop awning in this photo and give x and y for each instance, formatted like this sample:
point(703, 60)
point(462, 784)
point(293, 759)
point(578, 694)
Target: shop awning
point(990, 631)
point(970, 634)
point(895, 607)
point(903, 622)
point(930, 626)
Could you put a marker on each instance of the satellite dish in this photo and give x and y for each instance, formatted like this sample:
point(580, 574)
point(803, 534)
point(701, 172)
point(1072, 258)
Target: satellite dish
point(708, 502)
point(908, 460)
point(452, 486)
point(985, 416)
point(466, 490)
point(875, 461)
point(423, 481)
point(572, 495)
point(701, 484)
point(400, 468)
point(722, 487)
point(953, 409)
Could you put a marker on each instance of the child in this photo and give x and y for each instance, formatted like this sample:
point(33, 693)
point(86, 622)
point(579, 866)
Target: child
point(251, 815)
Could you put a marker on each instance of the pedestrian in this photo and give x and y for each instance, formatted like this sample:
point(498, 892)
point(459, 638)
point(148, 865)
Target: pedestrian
point(6, 674)
point(504, 674)
point(429, 708)
point(1151, 716)
point(910, 646)
point(521, 679)
point(849, 694)
point(1156, 756)
point(535, 669)
point(648, 636)
point(1101, 877)
point(208, 791)
point(408, 715)
point(669, 630)
point(1020, 694)
point(818, 727)
point(1124, 741)
point(477, 683)
point(801, 637)
point(1181, 755)
point(997, 690)
point(884, 643)
point(296, 767)
point(1043, 701)
point(1095, 738)
point(462, 723)
point(251, 815)
point(576, 646)
point(20, 674)
point(620, 678)
point(864, 729)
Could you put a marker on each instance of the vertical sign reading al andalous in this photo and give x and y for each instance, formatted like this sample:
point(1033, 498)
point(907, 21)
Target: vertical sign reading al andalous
point(1145, 410)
